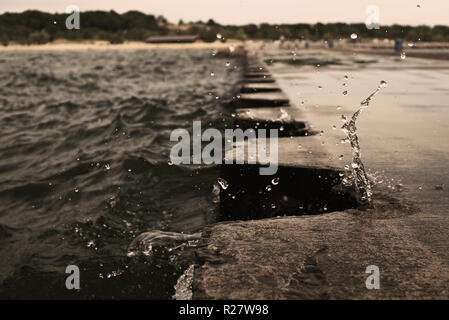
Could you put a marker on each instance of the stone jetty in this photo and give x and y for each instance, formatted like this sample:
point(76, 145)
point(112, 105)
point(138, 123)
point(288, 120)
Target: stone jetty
point(298, 234)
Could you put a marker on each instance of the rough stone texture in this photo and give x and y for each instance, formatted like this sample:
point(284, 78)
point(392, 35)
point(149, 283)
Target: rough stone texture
point(325, 256)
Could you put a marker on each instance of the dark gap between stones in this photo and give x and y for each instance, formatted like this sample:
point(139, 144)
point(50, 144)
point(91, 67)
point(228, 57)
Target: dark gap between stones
point(300, 191)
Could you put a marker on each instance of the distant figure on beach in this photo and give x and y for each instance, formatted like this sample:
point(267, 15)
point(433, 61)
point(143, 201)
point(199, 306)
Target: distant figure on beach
point(398, 45)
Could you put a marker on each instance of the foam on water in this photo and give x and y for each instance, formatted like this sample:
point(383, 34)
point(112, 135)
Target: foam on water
point(183, 288)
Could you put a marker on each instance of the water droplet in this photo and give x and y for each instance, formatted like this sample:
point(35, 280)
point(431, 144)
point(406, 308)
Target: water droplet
point(403, 55)
point(107, 166)
point(340, 157)
point(281, 128)
point(354, 165)
point(223, 183)
point(170, 163)
point(212, 74)
point(268, 187)
point(346, 77)
point(383, 84)
point(275, 181)
point(228, 64)
point(219, 36)
point(320, 87)
point(411, 44)
point(345, 93)
point(353, 36)
point(299, 146)
point(77, 190)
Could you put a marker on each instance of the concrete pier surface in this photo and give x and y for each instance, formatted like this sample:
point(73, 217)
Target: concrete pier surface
point(259, 80)
point(260, 87)
point(403, 137)
point(304, 152)
point(263, 99)
point(310, 175)
point(257, 74)
point(325, 257)
point(289, 121)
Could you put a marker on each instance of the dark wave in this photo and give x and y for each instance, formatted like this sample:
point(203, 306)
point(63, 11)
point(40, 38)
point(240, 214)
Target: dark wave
point(84, 165)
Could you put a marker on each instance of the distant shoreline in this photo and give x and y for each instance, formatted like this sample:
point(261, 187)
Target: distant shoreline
point(64, 45)
point(105, 45)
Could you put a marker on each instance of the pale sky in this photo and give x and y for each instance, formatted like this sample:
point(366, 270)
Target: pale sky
point(431, 12)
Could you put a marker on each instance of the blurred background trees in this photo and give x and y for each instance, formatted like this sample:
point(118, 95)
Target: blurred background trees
point(36, 27)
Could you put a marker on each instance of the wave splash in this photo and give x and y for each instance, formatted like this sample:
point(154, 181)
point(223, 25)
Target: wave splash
point(359, 176)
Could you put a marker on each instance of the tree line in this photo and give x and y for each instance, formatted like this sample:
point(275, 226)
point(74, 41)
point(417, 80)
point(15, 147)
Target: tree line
point(36, 27)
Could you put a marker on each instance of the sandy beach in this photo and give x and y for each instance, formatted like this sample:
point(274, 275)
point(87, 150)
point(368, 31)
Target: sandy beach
point(63, 45)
